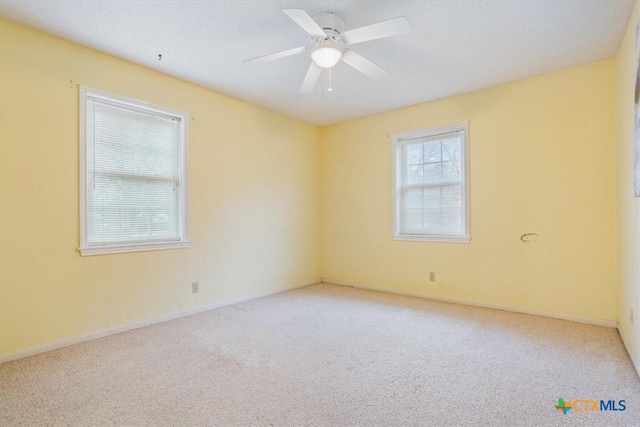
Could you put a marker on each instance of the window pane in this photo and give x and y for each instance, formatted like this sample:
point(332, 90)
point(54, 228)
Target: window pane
point(432, 151)
point(134, 143)
point(433, 210)
point(433, 173)
point(440, 162)
point(125, 209)
point(452, 149)
point(415, 174)
point(414, 154)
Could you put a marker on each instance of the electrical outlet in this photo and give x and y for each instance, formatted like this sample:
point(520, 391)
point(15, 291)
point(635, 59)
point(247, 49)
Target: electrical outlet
point(432, 276)
point(631, 315)
point(195, 287)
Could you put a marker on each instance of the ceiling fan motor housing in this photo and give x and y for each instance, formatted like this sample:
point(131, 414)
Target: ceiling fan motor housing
point(331, 23)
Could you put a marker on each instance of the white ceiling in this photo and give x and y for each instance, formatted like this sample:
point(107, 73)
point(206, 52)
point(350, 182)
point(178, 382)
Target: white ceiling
point(455, 46)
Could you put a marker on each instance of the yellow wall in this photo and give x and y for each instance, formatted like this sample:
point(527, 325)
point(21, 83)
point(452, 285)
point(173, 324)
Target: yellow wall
point(629, 224)
point(542, 160)
point(253, 199)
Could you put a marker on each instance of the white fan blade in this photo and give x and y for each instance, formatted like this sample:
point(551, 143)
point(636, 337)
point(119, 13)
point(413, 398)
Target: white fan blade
point(311, 78)
point(305, 21)
point(392, 27)
point(276, 55)
point(365, 66)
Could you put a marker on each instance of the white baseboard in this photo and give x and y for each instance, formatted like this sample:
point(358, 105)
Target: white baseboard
point(32, 351)
point(634, 362)
point(598, 322)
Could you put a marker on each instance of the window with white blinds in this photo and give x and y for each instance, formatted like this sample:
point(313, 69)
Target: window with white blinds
point(133, 167)
point(431, 185)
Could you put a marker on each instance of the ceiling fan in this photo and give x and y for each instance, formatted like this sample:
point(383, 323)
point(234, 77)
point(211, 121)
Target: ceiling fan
point(331, 43)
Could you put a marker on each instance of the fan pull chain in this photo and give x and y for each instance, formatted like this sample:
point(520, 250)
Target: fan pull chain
point(330, 89)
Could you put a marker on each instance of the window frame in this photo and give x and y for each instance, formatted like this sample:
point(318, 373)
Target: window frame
point(398, 174)
point(85, 248)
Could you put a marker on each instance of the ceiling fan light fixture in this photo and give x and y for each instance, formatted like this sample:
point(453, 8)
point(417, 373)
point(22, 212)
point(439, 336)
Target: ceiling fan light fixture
point(326, 56)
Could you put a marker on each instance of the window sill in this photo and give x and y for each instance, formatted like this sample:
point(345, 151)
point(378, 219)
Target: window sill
point(116, 249)
point(423, 238)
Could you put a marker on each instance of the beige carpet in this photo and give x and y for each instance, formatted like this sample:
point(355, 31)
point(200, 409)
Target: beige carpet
point(327, 355)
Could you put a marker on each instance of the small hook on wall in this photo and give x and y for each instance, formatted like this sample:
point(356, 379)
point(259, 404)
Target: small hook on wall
point(529, 237)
